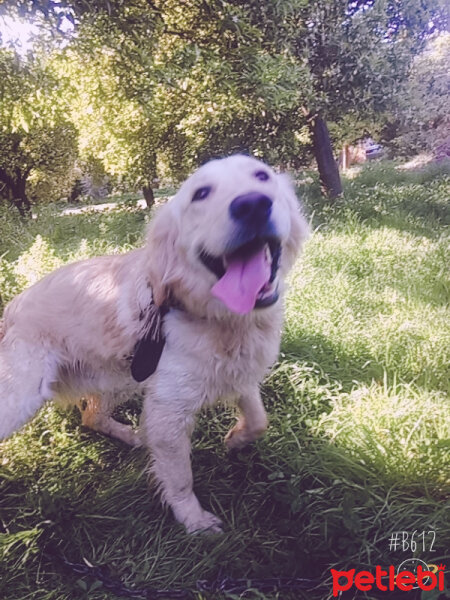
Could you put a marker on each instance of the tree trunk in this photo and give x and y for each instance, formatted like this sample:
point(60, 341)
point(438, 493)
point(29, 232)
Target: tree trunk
point(20, 198)
point(149, 196)
point(328, 168)
point(23, 206)
point(16, 191)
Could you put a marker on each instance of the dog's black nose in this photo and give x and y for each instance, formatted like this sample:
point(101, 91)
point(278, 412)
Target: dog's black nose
point(253, 207)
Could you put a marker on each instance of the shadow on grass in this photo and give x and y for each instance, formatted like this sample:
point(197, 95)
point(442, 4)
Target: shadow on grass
point(359, 367)
point(114, 228)
point(292, 506)
point(65, 233)
point(341, 366)
point(415, 203)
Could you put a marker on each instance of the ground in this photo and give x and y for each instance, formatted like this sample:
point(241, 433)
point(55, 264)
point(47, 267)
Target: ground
point(358, 446)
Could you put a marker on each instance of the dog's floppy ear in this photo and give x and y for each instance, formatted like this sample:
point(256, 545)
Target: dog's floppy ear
point(299, 226)
point(161, 264)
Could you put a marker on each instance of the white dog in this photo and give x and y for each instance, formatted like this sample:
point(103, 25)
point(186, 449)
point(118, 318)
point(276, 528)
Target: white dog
point(203, 297)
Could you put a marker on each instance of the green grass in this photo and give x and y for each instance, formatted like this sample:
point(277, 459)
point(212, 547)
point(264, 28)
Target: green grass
point(358, 446)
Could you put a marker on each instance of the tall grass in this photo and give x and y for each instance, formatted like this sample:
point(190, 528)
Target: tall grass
point(358, 446)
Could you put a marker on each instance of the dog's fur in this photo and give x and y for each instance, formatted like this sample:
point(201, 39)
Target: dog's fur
point(70, 336)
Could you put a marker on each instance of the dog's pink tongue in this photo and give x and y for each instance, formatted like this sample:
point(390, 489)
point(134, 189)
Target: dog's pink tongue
point(243, 280)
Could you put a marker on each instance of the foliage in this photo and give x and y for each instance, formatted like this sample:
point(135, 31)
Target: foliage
point(204, 86)
point(223, 76)
point(155, 88)
point(36, 140)
point(359, 53)
point(422, 113)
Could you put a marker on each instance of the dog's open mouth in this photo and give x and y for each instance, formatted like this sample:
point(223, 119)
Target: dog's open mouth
point(247, 275)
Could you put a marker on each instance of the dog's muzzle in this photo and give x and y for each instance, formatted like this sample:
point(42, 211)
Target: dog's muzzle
point(246, 273)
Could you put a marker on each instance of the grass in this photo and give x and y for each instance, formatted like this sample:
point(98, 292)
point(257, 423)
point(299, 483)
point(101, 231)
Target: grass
point(358, 445)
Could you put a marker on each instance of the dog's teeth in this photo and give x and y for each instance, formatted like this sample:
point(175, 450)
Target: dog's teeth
point(266, 291)
point(268, 253)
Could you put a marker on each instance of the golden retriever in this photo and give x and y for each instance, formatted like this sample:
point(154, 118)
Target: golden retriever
point(192, 317)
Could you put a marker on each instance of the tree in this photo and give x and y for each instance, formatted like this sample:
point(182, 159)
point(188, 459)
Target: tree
point(197, 82)
point(207, 78)
point(35, 136)
point(420, 117)
point(358, 53)
point(112, 129)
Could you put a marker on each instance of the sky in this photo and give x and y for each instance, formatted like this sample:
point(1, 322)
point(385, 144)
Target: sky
point(20, 33)
point(17, 33)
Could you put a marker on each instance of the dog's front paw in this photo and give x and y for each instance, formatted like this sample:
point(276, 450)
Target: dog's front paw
point(196, 520)
point(207, 523)
point(240, 435)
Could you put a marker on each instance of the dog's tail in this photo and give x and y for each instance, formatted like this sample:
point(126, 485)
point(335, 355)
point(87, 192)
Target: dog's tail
point(22, 369)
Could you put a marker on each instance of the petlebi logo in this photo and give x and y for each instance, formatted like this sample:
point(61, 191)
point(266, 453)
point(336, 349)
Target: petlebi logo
point(412, 564)
point(412, 573)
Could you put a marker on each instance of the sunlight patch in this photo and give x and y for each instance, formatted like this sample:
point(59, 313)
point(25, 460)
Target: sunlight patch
point(36, 262)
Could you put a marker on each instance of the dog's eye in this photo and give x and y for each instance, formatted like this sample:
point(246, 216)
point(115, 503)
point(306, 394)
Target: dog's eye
point(201, 193)
point(262, 175)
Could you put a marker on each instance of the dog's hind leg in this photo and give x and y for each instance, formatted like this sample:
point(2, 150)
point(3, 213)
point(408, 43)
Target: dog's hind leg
point(26, 376)
point(96, 414)
point(252, 422)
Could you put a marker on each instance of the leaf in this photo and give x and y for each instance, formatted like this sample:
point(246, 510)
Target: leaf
point(82, 584)
point(24, 123)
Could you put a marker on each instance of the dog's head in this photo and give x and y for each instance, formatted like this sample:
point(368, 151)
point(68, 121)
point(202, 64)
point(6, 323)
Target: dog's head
point(227, 239)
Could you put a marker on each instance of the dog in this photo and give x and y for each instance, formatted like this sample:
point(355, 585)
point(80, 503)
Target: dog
point(193, 316)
